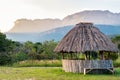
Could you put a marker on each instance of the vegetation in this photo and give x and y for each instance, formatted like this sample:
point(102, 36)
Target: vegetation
point(50, 73)
point(116, 63)
point(36, 54)
point(38, 63)
point(5, 49)
point(13, 52)
point(116, 40)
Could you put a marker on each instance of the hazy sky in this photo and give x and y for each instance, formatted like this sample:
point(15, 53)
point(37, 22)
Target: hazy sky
point(11, 10)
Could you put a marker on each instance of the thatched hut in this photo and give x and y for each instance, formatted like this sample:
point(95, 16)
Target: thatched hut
point(86, 39)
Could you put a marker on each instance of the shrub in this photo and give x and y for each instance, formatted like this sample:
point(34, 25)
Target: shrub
point(114, 56)
point(5, 59)
point(38, 63)
point(19, 57)
point(117, 62)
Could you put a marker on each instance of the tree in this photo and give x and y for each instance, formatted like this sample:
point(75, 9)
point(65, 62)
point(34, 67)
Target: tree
point(38, 47)
point(5, 47)
point(48, 47)
point(30, 50)
point(17, 47)
point(4, 58)
point(116, 40)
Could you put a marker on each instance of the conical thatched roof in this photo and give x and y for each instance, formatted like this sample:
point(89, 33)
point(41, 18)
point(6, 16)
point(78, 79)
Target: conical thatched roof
point(85, 37)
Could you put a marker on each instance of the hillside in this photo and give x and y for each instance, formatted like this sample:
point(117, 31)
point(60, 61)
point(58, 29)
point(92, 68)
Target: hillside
point(57, 33)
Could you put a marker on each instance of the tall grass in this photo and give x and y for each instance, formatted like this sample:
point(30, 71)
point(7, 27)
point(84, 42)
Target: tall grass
point(38, 63)
point(49, 63)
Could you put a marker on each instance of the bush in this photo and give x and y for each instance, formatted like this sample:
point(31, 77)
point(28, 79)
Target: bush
point(5, 59)
point(117, 62)
point(114, 56)
point(19, 57)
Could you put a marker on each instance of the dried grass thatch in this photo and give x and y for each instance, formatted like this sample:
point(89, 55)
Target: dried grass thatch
point(85, 37)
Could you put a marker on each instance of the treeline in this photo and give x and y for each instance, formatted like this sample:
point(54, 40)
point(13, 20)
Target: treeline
point(12, 51)
point(116, 40)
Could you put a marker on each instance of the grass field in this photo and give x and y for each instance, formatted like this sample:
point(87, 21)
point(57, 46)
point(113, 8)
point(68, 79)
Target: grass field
point(50, 73)
point(38, 63)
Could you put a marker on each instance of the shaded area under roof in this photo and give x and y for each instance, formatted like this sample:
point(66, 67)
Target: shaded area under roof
point(85, 37)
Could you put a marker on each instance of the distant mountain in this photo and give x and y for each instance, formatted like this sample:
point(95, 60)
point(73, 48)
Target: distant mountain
point(95, 16)
point(38, 25)
point(54, 34)
point(57, 33)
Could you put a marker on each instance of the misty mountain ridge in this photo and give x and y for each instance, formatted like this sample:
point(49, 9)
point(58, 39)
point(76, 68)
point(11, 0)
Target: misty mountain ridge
point(58, 33)
point(40, 30)
point(38, 25)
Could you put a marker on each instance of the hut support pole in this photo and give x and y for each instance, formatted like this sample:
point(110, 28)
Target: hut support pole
point(85, 56)
point(70, 55)
point(62, 55)
point(89, 56)
point(109, 55)
point(101, 55)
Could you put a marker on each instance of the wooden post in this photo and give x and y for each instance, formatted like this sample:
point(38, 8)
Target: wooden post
point(76, 55)
point(101, 55)
point(109, 55)
point(67, 56)
point(70, 55)
point(89, 55)
point(62, 55)
point(85, 56)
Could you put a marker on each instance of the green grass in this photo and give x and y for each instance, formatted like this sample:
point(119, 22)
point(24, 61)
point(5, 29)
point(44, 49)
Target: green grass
point(38, 63)
point(50, 73)
point(48, 63)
